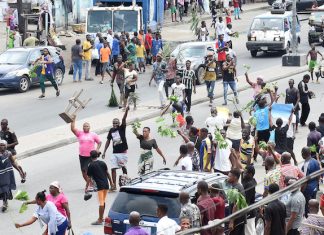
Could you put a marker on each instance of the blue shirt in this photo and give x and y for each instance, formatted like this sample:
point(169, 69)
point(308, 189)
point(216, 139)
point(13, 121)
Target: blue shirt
point(157, 69)
point(98, 47)
point(115, 47)
point(156, 46)
point(262, 117)
point(312, 166)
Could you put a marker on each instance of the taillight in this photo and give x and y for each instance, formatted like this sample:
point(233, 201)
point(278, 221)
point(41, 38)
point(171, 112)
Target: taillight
point(108, 226)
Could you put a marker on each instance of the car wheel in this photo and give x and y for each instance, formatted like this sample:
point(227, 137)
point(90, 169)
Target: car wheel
point(254, 53)
point(200, 75)
point(24, 84)
point(59, 76)
point(259, 225)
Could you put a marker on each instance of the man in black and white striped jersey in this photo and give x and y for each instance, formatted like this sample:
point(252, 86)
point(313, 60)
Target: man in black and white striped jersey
point(189, 80)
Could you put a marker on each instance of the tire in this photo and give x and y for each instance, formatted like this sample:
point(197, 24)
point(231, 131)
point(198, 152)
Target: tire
point(259, 225)
point(59, 76)
point(200, 75)
point(254, 53)
point(24, 84)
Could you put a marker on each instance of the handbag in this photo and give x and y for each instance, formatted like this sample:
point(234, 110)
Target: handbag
point(94, 54)
point(71, 69)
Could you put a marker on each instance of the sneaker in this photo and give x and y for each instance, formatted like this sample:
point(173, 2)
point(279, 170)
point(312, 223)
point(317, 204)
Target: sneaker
point(90, 79)
point(97, 223)
point(224, 104)
point(57, 93)
point(41, 96)
point(4, 207)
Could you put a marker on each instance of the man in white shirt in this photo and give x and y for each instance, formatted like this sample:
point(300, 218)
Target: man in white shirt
point(291, 137)
point(220, 27)
point(110, 38)
point(184, 161)
point(215, 121)
point(224, 157)
point(178, 90)
point(165, 226)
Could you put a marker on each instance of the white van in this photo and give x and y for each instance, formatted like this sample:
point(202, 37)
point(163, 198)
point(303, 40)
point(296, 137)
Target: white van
point(271, 31)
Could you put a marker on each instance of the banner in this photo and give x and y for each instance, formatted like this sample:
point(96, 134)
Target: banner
point(281, 110)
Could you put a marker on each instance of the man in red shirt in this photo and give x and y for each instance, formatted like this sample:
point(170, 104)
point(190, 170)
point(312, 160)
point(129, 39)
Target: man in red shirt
point(215, 191)
point(206, 206)
point(148, 46)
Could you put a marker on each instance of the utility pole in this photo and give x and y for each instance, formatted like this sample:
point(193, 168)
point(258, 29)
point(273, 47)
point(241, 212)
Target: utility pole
point(294, 43)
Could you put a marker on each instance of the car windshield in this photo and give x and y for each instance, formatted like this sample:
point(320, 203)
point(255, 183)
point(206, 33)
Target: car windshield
point(125, 21)
point(267, 24)
point(145, 204)
point(13, 57)
point(318, 16)
point(192, 51)
point(99, 21)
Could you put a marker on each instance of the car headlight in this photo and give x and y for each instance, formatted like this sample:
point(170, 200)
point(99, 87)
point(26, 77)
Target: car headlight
point(11, 74)
point(253, 38)
point(277, 39)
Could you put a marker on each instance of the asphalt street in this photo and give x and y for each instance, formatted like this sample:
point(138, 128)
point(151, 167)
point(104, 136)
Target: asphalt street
point(62, 164)
point(28, 115)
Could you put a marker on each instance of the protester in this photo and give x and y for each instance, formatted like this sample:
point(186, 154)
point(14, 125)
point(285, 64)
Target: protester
point(210, 76)
point(257, 86)
point(293, 97)
point(87, 47)
point(287, 169)
point(235, 125)
point(165, 226)
point(131, 48)
point(140, 54)
point(118, 74)
point(295, 209)
point(247, 145)
point(171, 75)
point(220, 27)
point(236, 226)
point(98, 172)
point(304, 94)
point(217, 196)
point(173, 9)
point(118, 159)
point(10, 137)
point(215, 121)
point(313, 61)
point(189, 80)
point(206, 206)
point(189, 210)
point(145, 162)
point(159, 71)
point(225, 158)
point(148, 46)
point(272, 175)
point(47, 72)
point(130, 84)
point(275, 215)
point(96, 59)
point(310, 166)
point(87, 141)
point(7, 177)
point(205, 151)
point(229, 76)
point(115, 48)
point(105, 53)
point(76, 57)
point(313, 139)
point(312, 219)
point(249, 183)
point(184, 162)
point(181, 8)
point(48, 214)
point(156, 46)
point(30, 41)
point(134, 220)
point(221, 49)
point(236, 4)
point(178, 91)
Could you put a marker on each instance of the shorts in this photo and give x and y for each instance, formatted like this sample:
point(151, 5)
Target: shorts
point(312, 64)
point(84, 162)
point(140, 60)
point(236, 144)
point(173, 9)
point(104, 67)
point(121, 87)
point(290, 144)
point(102, 194)
point(128, 90)
point(263, 135)
point(118, 160)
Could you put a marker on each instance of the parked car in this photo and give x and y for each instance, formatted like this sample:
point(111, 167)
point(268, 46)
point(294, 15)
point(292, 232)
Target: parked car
point(16, 63)
point(301, 5)
point(143, 194)
point(316, 23)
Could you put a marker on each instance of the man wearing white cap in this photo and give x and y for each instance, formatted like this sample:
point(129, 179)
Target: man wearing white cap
point(210, 76)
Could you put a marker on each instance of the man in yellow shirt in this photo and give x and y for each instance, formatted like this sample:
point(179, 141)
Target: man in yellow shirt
point(210, 76)
point(140, 55)
point(87, 47)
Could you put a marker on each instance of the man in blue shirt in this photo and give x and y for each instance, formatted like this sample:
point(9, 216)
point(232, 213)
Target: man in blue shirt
point(156, 46)
point(115, 48)
point(262, 117)
point(310, 166)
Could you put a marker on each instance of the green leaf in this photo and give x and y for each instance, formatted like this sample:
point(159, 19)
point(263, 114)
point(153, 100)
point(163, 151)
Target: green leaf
point(313, 148)
point(23, 208)
point(21, 196)
point(113, 100)
point(263, 145)
point(159, 119)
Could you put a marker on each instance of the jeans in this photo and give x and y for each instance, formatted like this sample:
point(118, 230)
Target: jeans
point(168, 83)
point(188, 93)
point(304, 113)
point(232, 84)
point(237, 12)
point(50, 78)
point(181, 11)
point(160, 84)
point(61, 229)
point(210, 85)
point(87, 66)
point(77, 68)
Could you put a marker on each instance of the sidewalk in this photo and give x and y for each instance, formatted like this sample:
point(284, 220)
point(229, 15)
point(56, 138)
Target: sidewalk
point(60, 136)
point(185, 20)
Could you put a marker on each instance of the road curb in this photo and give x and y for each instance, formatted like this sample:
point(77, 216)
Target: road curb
point(206, 17)
point(71, 140)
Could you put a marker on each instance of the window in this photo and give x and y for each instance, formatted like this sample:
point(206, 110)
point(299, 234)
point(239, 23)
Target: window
point(125, 21)
point(14, 57)
point(99, 21)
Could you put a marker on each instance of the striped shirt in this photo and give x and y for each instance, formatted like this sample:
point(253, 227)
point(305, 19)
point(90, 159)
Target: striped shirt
point(246, 150)
point(188, 77)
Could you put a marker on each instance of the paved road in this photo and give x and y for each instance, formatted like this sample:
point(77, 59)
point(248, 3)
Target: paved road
point(62, 165)
point(28, 115)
